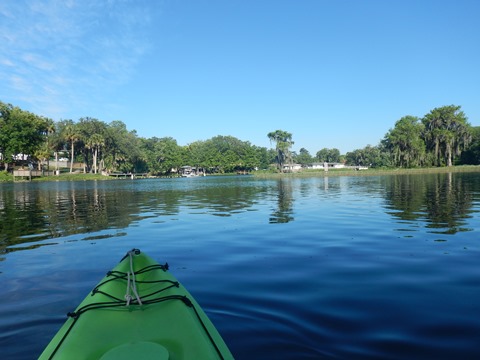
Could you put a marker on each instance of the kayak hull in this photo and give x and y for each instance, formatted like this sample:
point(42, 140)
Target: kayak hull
point(139, 310)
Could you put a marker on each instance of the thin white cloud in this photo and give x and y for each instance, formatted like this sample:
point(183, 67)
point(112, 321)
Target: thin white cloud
point(57, 55)
point(20, 84)
point(38, 61)
point(6, 62)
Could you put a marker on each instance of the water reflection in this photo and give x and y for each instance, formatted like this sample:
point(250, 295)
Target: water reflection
point(37, 211)
point(33, 212)
point(284, 210)
point(442, 201)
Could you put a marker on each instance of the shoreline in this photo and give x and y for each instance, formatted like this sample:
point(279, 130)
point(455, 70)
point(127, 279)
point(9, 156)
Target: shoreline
point(8, 178)
point(373, 172)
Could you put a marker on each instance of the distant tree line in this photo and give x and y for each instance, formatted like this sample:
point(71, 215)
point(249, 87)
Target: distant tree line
point(111, 147)
point(443, 137)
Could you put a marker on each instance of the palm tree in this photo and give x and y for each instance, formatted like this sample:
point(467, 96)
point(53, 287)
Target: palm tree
point(95, 143)
point(72, 135)
point(42, 153)
point(49, 130)
point(283, 143)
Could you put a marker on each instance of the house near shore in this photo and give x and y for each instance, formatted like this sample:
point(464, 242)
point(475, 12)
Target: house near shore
point(313, 166)
point(191, 171)
point(292, 167)
point(319, 165)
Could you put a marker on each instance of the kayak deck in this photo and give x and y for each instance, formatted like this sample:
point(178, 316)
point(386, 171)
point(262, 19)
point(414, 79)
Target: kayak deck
point(140, 311)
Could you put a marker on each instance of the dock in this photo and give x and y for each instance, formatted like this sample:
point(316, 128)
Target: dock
point(129, 175)
point(30, 174)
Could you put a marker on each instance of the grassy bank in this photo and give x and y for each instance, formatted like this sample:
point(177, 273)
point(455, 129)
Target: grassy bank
point(369, 172)
point(73, 177)
point(8, 177)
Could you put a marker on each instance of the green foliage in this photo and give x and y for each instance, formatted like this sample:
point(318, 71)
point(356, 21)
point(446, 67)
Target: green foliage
point(263, 156)
point(328, 155)
point(447, 133)
point(21, 132)
point(224, 154)
point(371, 156)
point(471, 156)
point(5, 176)
point(283, 143)
point(438, 139)
point(405, 142)
point(123, 150)
point(442, 137)
point(303, 157)
point(69, 135)
point(163, 155)
point(92, 134)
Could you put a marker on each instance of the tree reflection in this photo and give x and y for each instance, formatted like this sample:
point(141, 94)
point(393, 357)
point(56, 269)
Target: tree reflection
point(284, 211)
point(34, 212)
point(443, 200)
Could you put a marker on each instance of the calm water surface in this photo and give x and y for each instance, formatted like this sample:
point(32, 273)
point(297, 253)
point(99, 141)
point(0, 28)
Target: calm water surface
point(317, 268)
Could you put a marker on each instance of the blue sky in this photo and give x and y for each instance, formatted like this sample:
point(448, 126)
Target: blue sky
point(334, 73)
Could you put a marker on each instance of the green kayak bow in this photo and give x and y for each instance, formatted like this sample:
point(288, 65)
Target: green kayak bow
point(138, 311)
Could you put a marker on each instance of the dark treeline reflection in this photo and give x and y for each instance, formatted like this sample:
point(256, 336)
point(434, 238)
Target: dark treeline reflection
point(32, 212)
point(444, 201)
point(38, 211)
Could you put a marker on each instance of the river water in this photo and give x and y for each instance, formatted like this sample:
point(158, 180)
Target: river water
point(383, 267)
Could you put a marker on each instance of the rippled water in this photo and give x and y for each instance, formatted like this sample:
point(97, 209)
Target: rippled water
point(334, 268)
